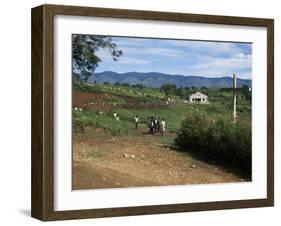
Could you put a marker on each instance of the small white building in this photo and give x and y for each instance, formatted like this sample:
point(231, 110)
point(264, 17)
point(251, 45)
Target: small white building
point(198, 98)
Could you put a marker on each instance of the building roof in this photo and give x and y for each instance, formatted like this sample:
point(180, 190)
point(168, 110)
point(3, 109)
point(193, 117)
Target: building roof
point(198, 95)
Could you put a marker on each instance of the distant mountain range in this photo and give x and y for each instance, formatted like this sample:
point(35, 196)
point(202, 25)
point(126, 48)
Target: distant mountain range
point(156, 80)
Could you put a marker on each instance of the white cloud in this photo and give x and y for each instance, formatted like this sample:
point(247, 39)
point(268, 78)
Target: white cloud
point(132, 42)
point(240, 64)
point(152, 51)
point(239, 61)
point(164, 52)
point(130, 60)
point(106, 57)
point(208, 47)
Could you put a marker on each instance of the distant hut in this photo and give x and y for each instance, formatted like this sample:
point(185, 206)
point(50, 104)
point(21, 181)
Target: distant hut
point(198, 98)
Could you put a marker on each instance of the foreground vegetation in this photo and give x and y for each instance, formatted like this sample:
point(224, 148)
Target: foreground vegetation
point(217, 138)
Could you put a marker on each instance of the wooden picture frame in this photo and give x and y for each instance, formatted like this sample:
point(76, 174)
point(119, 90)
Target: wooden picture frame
point(43, 107)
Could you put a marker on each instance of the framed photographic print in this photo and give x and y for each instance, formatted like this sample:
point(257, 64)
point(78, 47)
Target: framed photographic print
point(141, 112)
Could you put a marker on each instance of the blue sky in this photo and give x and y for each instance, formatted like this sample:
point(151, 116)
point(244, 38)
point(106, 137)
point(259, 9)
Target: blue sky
point(198, 58)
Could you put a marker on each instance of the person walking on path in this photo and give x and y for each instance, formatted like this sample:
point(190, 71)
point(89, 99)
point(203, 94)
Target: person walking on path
point(136, 122)
point(151, 125)
point(158, 126)
point(163, 126)
point(155, 125)
point(114, 114)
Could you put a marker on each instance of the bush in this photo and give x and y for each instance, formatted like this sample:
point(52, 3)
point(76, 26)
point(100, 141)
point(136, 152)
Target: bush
point(217, 138)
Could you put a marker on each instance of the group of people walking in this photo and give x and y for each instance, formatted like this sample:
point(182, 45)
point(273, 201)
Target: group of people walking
point(155, 125)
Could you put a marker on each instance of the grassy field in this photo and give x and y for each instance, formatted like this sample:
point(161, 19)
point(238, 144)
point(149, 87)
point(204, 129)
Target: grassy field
point(148, 102)
point(209, 126)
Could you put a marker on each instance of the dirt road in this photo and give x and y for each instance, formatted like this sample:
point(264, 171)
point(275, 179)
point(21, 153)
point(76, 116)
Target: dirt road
point(136, 160)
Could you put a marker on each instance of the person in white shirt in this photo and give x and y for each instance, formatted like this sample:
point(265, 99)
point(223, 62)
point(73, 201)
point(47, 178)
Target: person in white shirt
point(114, 114)
point(163, 126)
point(136, 122)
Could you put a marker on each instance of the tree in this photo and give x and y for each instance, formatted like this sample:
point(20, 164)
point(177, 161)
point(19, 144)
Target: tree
point(180, 92)
point(140, 86)
point(168, 88)
point(246, 92)
point(84, 47)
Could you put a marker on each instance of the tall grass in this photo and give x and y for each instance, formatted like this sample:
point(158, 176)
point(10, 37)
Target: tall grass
point(88, 118)
point(217, 138)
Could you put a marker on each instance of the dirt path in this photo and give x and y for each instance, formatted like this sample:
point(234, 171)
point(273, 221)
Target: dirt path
point(103, 161)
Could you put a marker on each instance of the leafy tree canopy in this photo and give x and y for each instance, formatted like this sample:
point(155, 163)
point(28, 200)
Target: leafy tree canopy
point(168, 88)
point(84, 47)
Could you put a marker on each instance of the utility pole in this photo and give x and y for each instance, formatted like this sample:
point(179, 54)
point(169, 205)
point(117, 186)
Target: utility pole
point(234, 98)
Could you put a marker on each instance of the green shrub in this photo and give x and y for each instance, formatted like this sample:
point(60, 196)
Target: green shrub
point(217, 137)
